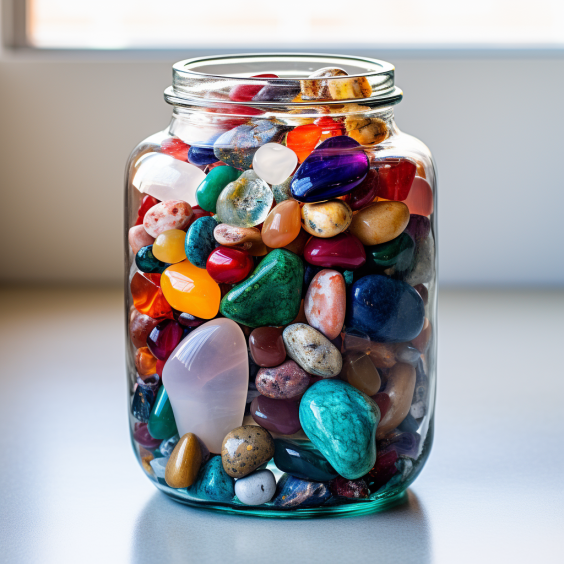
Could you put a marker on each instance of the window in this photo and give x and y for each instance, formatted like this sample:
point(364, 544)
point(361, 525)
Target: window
point(291, 23)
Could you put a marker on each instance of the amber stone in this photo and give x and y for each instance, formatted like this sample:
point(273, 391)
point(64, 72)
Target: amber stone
point(148, 297)
point(380, 222)
point(267, 346)
point(145, 362)
point(184, 462)
point(359, 371)
point(282, 225)
point(140, 326)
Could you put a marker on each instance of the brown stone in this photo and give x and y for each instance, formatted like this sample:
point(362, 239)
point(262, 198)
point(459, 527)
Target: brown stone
point(245, 449)
point(380, 222)
point(184, 462)
point(359, 371)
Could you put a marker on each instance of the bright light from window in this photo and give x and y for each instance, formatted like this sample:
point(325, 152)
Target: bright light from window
point(292, 23)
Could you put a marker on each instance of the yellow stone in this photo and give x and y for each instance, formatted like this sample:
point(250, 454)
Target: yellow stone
point(169, 246)
point(184, 462)
point(326, 219)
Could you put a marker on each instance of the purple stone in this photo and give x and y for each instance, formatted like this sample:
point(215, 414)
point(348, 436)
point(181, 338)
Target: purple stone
point(334, 168)
point(188, 320)
point(418, 227)
point(280, 416)
point(164, 338)
point(365, 192)
point(142, 436)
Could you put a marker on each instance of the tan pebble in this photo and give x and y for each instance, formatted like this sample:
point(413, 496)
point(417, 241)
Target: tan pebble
point(319, 89)
point(245, 449)
point(245, 238)
point(146, 458)
point(380, 222)
point(349, 88)
point(366, 130)
point(326, 219)
point(184, 462)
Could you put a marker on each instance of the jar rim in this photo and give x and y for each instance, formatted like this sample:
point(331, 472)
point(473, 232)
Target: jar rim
point(208, 80)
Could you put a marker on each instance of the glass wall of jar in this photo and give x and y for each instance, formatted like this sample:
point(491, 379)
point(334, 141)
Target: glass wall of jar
point(281, 288)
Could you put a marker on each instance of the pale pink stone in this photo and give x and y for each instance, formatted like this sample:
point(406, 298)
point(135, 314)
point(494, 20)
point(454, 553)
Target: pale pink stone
point(206, 378)
point(171, 214)
point(325, 303)
point(139, 238)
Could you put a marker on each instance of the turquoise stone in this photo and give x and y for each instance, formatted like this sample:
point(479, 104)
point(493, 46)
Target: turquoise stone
point(348, 275)
point(398, 253)
point(161, 421)
point(210, 188)
point(213, 483)
point(146, 261)
point(282, 191)
point(200, 241)
point(271, 295)
point(341, 422)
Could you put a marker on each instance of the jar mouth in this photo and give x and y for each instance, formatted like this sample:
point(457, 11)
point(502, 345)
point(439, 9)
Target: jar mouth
point(209, 80)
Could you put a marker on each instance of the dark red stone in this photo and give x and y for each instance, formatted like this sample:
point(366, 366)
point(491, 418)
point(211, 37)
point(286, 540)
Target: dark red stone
point(395, 177)
point(382, 471)
point(365, 192)
point(353, 489)
point(164, 338)
point(344, 251)
point(175, 148)
point(160, 367)
point(188, 320)
point(146, 204)
point(423, 292)
point(267, 346)
point(383, 401)
point(246, 92)
point(279, 416)
point(229, 266)
point(418, 227)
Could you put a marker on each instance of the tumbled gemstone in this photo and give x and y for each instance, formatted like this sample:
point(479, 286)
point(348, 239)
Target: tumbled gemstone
point(274, 162)
point(145, 362)
point(169, 247)
point(246, 92)
point(282, 224)
point(303, 139)
point(200, 241)
point(229, 266)
point(278, 416)
point(267, 346)
point(161, 421)
point(146, 261)
point(359, 371)
point(294, 493)
point(383, 401)
point(140, 325)
point(302, 460)
point(171, 214)
point(138, 238)
point(201, 156)
point(318, 89)
point(244, 238)
point(146, 204)
point(382, 471)
point(353, 489)
point(286, 381)
point(330, 127)
point(144, 396)
point(418, 227)
point(211, 187)
point(175, 148)
point(397, 253)
point(142, 436)
point(406, 444)
point(282, 91)
point(344, 251)
point(188, 320)
point(190, 289)
point(420, 197)
point(148, 297)
point(380, 222)
point(197, 213)
point(395, 177)
point(326, 219)
point(365, 192)
point(164, 338)
point(333, 169)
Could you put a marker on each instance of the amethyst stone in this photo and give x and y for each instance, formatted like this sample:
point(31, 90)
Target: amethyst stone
point(164, 338)
point(334, 168)
point(279, 416)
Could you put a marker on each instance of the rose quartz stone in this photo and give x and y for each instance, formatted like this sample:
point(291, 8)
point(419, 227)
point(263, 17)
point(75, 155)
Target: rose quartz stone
point(172, 214)
point(206, 378)
point(420, 197)
point(139, 238)
point(325, 303)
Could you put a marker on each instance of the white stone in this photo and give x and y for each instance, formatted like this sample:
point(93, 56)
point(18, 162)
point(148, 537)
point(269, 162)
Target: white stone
point(206, 378)
point(417, 410)
point(158, 465)
point(167, 178)
point(274, 162)
point(256, 488)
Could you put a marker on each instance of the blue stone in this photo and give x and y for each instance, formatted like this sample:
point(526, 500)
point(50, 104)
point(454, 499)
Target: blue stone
point(200, 241)
point(334, 168)
point(213, 483)
point(238, 146)
point(409, 424)
point(295, 493)
point(201, 156)
point(167, 446)
point(341, 422)
point(144, 397)
point(146, 261)
point(387, 310)
point(302, 461)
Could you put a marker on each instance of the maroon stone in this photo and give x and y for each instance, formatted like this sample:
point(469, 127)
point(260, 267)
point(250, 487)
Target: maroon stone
point(141, 435)
point(383, 401)
point(267, 346)
point(140, 325)
point(164, 338)
point(353, 489)
point(365, 192)
point(286, 381)
point(423, 292)
point(382, 471)
point(279, 416)
point(344, 251)
point(188, 320)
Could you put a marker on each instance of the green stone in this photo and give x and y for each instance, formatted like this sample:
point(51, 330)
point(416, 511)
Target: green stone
point(210, 188)
point(271, 295)
point(398, 253)
point(161, 421)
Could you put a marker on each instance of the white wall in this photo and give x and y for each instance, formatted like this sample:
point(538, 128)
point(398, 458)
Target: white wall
point(68, 123)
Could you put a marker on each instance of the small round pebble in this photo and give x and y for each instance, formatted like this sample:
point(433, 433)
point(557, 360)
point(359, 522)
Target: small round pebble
point(257, 488)
point(245, 449)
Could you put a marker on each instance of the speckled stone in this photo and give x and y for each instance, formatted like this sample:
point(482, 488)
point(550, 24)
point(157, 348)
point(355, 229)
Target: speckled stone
point(271, 295)
point(295, 493)
point(238, 146)
point(200, 241)
point(282, 382)
point(256, 488)
point(213, 483)
point(341, 422)
point(245, 449)
point(326, 219)
point(144, 397)
point(282, 191)
point(312, 350)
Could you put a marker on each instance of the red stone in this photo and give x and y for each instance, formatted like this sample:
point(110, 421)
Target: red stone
point(164, 338)
point(365, 192)
point(267, 346)
point(395, 177)
point(160, 367)
point(383, 401)
point(146, 204)
point(148, 297)
point(227, 265)
point(423, 292)
point(141, 435)
point(353, 489)
point(175, 148)
point(140, 326)
point(246, 92)
point(277, 415)
point(383, 470)
point(329, 125)
point(344, 251)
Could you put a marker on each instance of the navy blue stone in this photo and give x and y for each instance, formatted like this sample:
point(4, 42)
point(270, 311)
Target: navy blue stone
point(388, 311)
point(302, 461)
point(144, 398)
point(201, 156)
point(200, 241)
point(297, 494)
point(334, 168)
point(213, 483)
point(146, 261)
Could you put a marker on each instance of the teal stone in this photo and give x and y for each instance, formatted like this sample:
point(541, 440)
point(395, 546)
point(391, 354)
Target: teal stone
point(211, 186)
point(146, 262)
point(213, 483)
point(397, 253)
point(200, 241)
point(161, 421)
point(282, 191)
point(271, 295)
point(341, 422)
point(348, 275)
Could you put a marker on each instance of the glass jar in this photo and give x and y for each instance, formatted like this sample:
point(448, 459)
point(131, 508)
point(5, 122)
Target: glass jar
point(281, 288)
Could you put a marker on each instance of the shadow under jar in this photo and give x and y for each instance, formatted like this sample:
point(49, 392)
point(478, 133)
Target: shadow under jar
point(281, 288)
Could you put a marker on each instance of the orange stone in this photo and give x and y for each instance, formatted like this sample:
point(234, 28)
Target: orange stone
point(420, 197)
point(282, 225)
point(145, 362)
point(190, 289)
point(303, 139)
point(148, 297)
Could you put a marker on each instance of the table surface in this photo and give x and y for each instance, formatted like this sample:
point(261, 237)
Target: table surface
point(71, 490)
